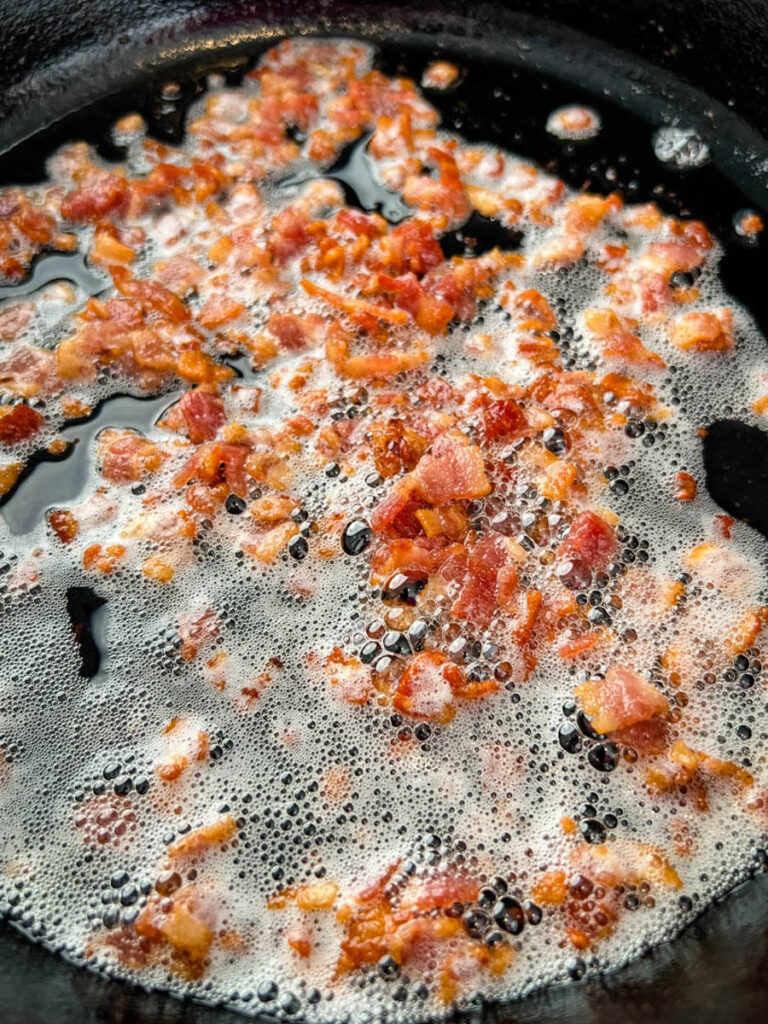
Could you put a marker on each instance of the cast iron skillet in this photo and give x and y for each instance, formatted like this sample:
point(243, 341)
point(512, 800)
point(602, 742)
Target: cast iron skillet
point(57, 58)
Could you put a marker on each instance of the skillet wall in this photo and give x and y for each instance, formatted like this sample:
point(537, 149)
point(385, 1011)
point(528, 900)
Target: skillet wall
point(717, 970)
point(718, 45)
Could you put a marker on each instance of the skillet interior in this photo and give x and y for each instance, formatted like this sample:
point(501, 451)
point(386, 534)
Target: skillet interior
point(722, 960)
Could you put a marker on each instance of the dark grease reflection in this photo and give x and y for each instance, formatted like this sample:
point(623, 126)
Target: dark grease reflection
point(57, 267)
point(736, 467)
point(87, 613)
point(49, 480)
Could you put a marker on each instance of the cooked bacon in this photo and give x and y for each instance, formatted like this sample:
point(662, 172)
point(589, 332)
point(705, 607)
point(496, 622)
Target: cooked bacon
point(621, 699)
point(703, 332)
point(203, 414)
point(18, 423)
point(685, 487)
point(426, 688)
point(590, 544)
point(98, 195)
point(453, 469)
point(126, 456)
point(617, 341)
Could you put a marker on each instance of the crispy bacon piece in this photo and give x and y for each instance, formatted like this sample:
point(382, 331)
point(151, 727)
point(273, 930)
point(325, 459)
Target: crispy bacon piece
point(215, 462)
point(203, 414)
point(97, 195)
point(454, 469)
point(204, 838)
point(703, 332)
point(685, 487)
point(126, 456)
point(503, 420)
point(590, 544)
point(429, 685)
point(617, 340)
point(18, 423)
point(621, 699)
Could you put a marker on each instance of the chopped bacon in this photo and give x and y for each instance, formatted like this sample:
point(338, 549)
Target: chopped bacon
point(126, 456)
point(503, 420)
point(425, 689)
point(213, 463)
point(197, 630)
point(18, 423)
point(621, 699)
point(410, 248)
point(203, 414)
point(703, 332)
point(439, 75)
point(453, 469)
point(591, 543)
point(98, 195)
point(14, 319)
point(204, 838)
point(397, 512)
point(617, 341)
point(685, 487)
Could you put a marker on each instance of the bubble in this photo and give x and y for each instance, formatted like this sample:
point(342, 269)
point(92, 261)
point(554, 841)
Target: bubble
point(682, 147)
point(574, 123)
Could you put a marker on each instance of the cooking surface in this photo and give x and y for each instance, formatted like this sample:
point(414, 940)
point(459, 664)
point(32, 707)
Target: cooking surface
point(742, 912)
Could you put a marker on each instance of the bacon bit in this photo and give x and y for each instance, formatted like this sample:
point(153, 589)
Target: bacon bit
point(550, 890)
point(320, 896)
point(590, 542)
point(98, 195)
point(158, 569)
point(356, 308)
point(685, 768)
point(428, 312)
point(454, 469)
point(179, 926)
point(617, 341)
point(108, 250)
point(349, 674)
point(748, 630)
point(439, 75)
point(444, 201)
point(272, 508)
point(703, 332)
point(503, 420)
point(126, 456)
point(685, 487)
point(582, 644)
point(201, 839)
point(271, 543)
point(375, 364)
point(723, 525)
point(18, 423)
point(558, 480)
point(64, 524)
point(14, 319)
point(300, 941)
point(218, 310)
point(425, 689)
point(9, 474)
point(172, 769)
point(103, 560)
point(203, 414)
point(621, 699)
point(750, 224)
point(377, 924)
point(445, 521)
